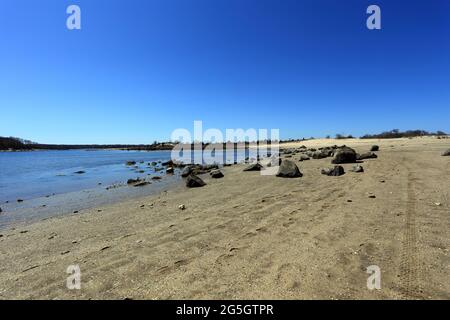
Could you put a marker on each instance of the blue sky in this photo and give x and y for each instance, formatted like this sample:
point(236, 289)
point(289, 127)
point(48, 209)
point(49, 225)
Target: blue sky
point(138, 69)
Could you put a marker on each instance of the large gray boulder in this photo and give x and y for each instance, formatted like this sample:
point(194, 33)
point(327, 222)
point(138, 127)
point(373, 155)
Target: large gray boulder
point(288, 169)
point(344, 155)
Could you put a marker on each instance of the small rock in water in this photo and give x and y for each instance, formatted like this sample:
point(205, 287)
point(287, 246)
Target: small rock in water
point(181, 207)
point(1, 210)
point(80, 172)
point(216, 174)
point(75, 211)
point(132, 181)
point(156, 178)
point(194, 182)
point(131, 163)
point(19, 200)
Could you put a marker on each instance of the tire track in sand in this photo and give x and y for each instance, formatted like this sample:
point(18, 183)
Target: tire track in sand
point(409, 266)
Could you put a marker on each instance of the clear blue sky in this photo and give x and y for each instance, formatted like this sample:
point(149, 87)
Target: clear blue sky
point(139, 69)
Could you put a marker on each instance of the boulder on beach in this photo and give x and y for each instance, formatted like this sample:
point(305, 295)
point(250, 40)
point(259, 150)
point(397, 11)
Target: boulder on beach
point(169, 170)
point(374, 148)
point(216, 174)
point(274, 161)
point(335, 172)
point(254, 167)
point(446, 153)
point(194, 182)
point(357, 168)
point(367, 155)
point(304, 157)
point(344, 155)
point(186, 171)
point(288, 169)
point(321, 154)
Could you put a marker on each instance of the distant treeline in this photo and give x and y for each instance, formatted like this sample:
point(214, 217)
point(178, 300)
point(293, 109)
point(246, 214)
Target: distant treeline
point(395, 133)
point(17, 144)
point(12, 143)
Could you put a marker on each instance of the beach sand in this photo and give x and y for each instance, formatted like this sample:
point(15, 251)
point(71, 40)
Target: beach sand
point(248, 236)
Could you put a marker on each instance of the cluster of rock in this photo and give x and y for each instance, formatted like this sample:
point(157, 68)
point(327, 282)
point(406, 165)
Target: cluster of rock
point(191, 171)
point(286, 168)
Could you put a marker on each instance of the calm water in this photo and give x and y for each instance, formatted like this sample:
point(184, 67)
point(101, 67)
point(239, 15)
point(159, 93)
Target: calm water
point(28, 175)
point(49, 186)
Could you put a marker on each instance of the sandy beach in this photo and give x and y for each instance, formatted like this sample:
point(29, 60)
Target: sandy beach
point(248, 236)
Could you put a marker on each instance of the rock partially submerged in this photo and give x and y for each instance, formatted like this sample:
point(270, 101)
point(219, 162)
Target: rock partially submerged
point(254, 167)
point(446, 153)
point(133, 181)
point(335, 172)
point(131, 163)
point(344, 155)
point(80, 172)
point(137, 182)
point(194, 182)
point(288, 169)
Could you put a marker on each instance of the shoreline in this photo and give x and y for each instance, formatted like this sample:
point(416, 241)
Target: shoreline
point(248, 236)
